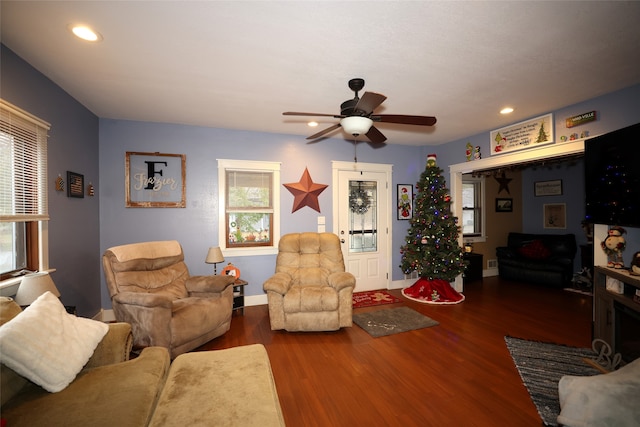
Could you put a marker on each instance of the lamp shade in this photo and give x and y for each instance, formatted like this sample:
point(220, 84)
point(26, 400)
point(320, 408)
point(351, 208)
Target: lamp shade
point(33, 285)
point(214, 255)
point(356, 125)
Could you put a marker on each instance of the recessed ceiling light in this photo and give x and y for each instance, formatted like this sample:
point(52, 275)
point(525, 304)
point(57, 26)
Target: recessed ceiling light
point(312, 124)
point(506, 110)
point(85, 33)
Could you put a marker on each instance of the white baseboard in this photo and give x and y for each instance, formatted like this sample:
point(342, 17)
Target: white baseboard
point(490, 272)
point(255, 300)
point(105, 315)
point(401, 284)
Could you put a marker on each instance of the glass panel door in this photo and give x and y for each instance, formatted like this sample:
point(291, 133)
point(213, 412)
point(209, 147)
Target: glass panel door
point(363, 221)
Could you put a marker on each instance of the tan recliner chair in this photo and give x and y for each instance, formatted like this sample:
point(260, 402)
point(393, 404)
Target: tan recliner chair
point(310, 290)
point(151, 289)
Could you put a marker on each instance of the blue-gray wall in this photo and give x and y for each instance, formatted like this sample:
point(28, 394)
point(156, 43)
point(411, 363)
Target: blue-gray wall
point(74, 227)
point(614, 111)
point(81, 229)
point(196, 227)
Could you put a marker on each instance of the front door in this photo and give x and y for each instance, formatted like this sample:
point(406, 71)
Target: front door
point(363, 225)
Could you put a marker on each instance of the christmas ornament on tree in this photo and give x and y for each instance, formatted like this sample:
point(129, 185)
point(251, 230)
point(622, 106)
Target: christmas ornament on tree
point(431, 246)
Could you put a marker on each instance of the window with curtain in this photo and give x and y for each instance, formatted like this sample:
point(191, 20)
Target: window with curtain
point(23, 189)
point(249, 204)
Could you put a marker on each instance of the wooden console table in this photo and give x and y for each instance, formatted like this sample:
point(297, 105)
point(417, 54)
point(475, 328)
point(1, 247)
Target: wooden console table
point(604, 301)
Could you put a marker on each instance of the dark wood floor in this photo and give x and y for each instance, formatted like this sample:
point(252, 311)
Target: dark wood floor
point(459, 373)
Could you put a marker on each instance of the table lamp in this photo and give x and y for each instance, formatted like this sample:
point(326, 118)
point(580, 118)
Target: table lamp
point(33, 285)
point(214, 256)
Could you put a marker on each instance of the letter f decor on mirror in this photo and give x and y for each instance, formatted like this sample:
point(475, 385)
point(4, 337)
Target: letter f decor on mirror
point(155, 180)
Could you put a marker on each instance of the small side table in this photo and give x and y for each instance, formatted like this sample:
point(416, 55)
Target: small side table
point(474, 269)
point(238, 295)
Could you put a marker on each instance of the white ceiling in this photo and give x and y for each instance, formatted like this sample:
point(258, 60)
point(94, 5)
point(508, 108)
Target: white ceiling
point(240, 64)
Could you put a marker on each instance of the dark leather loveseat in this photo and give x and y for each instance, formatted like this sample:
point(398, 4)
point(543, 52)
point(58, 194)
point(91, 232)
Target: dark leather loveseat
point(546, 259)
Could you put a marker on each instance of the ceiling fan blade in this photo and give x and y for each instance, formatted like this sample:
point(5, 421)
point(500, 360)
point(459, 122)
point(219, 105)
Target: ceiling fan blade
point(404, 119)
point(296, 113)
point(369, 102)
point(376, 137)
point(324, 131)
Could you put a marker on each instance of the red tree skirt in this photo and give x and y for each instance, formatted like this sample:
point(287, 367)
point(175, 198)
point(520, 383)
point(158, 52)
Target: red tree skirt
point(435, 291)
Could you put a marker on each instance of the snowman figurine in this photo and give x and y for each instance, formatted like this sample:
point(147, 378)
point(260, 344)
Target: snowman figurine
point(613, 245)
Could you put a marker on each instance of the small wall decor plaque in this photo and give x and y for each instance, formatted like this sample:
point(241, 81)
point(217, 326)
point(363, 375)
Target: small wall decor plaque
point(548, 188)
point(75, 185)
point(504, 205)
point(59, 183)
point(580, 119)
point(528, 134)
point(405, 201)
point(555, 215)
point(155, 180)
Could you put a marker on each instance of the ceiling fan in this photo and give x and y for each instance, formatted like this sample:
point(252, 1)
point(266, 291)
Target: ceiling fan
point(357, 117)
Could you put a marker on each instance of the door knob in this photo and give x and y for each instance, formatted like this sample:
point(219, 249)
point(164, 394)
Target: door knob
point(341, 240)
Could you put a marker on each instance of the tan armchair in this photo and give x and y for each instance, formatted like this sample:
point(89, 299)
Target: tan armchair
point(151, 289)
point(310, 290)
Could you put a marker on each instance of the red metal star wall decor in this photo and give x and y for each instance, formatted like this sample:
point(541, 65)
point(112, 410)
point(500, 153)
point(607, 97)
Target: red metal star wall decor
point(305, 192)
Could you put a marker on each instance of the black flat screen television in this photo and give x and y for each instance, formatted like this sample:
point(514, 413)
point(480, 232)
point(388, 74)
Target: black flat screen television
point(612, 178)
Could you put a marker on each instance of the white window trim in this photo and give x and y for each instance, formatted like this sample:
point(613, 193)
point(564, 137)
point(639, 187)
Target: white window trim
point(483, 212)
point(252, 166)
point(9, 287)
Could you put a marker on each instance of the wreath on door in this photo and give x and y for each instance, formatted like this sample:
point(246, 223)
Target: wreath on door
point(359, 201)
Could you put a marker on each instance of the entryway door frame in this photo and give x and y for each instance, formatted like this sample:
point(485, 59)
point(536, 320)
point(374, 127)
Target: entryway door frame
point(385, 212)
point(500, 160)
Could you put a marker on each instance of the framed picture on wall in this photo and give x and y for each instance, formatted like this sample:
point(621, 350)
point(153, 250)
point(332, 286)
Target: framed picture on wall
point(75, 185)
point(405, 201)
point(155, 180)
point(548, 188)
point(504, 205)
point(555, 215)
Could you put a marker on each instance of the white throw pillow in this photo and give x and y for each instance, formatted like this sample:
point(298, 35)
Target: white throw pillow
point(611, 400)
point(47, 345)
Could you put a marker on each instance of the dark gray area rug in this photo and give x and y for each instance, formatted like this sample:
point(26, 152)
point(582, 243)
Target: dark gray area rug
point(541, 365)
point(391, 321)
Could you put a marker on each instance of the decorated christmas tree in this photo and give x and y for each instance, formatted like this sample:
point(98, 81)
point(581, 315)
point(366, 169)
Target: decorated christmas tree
point(431, 246)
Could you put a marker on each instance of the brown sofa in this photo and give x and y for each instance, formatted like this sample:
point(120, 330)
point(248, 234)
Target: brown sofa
point(225, 387)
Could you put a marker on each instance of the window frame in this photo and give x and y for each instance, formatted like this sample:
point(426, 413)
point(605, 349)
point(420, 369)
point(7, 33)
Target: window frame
point(36, 231)
point(479, 182)
point(248, 249)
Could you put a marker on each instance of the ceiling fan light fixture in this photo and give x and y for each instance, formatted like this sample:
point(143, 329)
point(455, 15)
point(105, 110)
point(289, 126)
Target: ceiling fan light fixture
point(356, 125)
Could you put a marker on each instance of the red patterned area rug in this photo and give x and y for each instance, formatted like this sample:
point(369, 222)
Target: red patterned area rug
point(370, 298)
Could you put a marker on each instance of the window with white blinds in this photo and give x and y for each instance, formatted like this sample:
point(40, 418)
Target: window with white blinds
point(23, 165)
point(249, 201)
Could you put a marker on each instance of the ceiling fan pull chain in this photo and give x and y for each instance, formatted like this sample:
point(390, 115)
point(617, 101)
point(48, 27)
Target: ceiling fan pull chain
point(355, 154)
